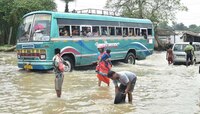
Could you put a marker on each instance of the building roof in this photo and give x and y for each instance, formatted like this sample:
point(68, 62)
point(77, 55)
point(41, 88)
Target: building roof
point(164, 32)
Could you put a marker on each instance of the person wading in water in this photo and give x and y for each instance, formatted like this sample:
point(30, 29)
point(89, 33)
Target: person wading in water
point(102, 67)
point(58, 64)
point(127, 82)
point(189, 50)
point(170, 55)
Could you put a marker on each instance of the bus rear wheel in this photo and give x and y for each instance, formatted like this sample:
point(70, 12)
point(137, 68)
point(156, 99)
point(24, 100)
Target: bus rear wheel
point(69, 66)
point(130, 58)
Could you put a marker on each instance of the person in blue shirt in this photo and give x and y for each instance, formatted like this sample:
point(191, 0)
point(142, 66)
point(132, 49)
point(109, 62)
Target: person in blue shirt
point(106, 57)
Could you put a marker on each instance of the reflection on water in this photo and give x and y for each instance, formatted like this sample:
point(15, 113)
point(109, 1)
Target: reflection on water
point(160, 89)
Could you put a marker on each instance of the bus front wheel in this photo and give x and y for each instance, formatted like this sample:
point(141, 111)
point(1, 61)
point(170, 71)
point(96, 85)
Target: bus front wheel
point(130, 58)
point(69, 64)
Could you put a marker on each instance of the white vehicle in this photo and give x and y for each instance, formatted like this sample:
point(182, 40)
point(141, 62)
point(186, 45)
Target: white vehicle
point(180, 55)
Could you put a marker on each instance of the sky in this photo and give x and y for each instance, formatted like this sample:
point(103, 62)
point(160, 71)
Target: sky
point(192, 16)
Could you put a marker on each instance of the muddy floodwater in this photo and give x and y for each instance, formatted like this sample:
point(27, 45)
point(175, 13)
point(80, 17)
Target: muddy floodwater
point(160, 89)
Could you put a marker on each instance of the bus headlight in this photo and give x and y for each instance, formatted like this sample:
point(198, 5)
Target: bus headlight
point(43, 56)
point(18, 56)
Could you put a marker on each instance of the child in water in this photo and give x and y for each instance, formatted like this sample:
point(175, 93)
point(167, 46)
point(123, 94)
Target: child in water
point(170, 55)
point(106, 58)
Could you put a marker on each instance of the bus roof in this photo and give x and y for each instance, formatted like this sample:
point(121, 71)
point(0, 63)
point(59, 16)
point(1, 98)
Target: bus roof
point(91, 17)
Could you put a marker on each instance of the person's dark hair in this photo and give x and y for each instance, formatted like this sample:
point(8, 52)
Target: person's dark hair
point(170, 46)
point(57, 51)
point(101, 50)
point(108, 51)
point(190, 43)
point(110, 74)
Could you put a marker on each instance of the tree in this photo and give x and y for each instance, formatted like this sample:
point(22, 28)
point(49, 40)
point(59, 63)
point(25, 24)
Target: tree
point(194, 28)
point(11, 13)
point(67, 4)
point(155, 10)
point(179, 26)
point(164, 25)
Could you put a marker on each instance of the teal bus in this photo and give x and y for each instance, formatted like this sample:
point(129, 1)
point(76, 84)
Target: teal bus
point(78, 36)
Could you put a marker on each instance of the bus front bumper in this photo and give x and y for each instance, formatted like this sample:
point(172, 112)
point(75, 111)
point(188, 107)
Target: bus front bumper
point(36, 65)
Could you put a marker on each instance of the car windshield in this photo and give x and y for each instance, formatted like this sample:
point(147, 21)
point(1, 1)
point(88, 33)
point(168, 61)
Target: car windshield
point(179, 47)
point(35, 28)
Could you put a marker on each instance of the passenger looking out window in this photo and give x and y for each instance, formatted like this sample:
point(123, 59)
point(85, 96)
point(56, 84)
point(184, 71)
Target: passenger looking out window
point(137, 31)
point(95, 31)
point(75, 31)
point(64, 31)
point(131, 32)
point(125, 32)
point(111, 30)
point(144, 33)
point(119, 31)
point(86, 31)
point(104, 31)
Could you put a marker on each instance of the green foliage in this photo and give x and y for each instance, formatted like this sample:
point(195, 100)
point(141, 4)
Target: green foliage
point(12, 11)
point(164, 25)
point(155, 10)
point(179, 26)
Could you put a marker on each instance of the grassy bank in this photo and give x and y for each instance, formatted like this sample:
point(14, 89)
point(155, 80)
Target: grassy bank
point(6, 47)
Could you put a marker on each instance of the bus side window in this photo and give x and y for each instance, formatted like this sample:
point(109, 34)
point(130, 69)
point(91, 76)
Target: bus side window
point(150, 32)
point(95, 30)
point(104, 31)
point(86, 31)
point(137, 31)
point(119, 31)
point(75, 30)
point(131, 32)
point(144, 33)
point(125, 32)
point(112, 31)
point(65, 31)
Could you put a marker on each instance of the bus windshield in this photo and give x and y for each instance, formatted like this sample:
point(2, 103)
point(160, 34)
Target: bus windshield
point(35, 28)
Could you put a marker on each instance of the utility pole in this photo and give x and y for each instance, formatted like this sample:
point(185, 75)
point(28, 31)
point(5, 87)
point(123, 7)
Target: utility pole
point(174, 36)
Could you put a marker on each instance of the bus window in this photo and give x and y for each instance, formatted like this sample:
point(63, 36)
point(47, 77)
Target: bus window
point(75, 30)
point(65, 31)
point(95, 30)
point(111, 30)
point(86, 31)
point(41, 27)
point(131, 32)
point(25, 28)
point(119, 31)
point(137, 31)
point(150, 32)
point(144, 33)
point(104, 31)
point(125, 32)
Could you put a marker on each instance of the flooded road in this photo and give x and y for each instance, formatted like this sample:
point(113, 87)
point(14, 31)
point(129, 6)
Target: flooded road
point(160, 89)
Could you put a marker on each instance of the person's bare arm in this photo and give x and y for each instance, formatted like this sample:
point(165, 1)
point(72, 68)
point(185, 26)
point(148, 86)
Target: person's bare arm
point(128, 87)
point(167, 55)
